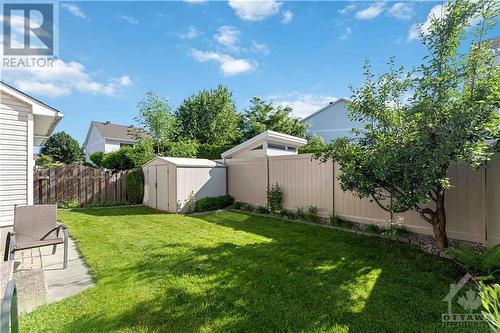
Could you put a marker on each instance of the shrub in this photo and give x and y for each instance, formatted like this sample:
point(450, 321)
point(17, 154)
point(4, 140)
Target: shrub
point(334, 220)
point(212, 152)
point(262, 210)
point(68, 204)
point(490, 299)
point(375, 229)
point(238, 205)
point(135, 186)
point(118, 160)
point(274, 196)
point(396, 229)
point(248, 207)
point(184, 148)
point(485, 263)
point(214, 203)
point(96, 158)
point(312, 214)
point(301, 214)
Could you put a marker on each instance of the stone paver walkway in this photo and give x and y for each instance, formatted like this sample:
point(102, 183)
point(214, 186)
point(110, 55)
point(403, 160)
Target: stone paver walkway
point(41, 279)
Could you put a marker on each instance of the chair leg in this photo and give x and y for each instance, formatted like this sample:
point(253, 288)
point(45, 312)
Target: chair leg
point(65, 264)
point(6, 254)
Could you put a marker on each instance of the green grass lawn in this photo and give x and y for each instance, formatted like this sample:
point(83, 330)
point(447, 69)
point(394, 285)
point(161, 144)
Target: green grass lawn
point(230, 271)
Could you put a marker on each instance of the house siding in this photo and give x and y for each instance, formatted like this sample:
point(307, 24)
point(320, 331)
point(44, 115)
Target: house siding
point(331, 123)
point(95, 143)
point(16, 159)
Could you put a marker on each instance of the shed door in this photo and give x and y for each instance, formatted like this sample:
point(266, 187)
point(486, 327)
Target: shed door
point(152, 187)
point(162, 187)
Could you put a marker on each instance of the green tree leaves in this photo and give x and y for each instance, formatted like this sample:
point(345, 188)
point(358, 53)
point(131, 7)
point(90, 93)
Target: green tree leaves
point(61, 147)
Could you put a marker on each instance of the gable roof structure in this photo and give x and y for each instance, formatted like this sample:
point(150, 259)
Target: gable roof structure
point(45, 117)
point(341, 99)
point(262, 137)
point(113, 131)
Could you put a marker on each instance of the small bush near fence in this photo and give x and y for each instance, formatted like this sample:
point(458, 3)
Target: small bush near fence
point(274, 198)
point(135, 186)
point(214, 203)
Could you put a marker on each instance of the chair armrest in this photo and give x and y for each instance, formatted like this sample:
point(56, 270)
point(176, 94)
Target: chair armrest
point(61, 225)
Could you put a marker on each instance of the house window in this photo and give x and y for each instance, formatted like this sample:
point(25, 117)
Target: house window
point(126, 145)
point(276, 146)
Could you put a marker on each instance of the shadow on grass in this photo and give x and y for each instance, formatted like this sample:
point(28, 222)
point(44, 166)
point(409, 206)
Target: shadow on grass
point(296, 278)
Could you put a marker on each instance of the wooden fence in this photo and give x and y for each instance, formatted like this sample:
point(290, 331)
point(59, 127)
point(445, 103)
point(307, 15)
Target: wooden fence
point(473, 203)
point(79, 183)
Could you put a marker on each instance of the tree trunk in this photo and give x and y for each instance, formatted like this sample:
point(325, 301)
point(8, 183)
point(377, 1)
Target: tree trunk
point(439, 222)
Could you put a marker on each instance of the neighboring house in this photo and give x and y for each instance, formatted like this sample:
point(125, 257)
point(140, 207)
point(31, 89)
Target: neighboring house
point(267, 143)
point(25, 122)
point(331, 121)
point(108, 137)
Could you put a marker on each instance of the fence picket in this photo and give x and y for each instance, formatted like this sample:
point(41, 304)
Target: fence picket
point(79, 183)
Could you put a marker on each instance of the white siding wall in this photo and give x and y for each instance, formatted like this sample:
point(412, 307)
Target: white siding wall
point(16, 156)
point(95, 143)
point(332, 122)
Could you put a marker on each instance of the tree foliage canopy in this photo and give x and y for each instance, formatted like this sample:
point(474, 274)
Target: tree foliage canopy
point(417, 122)
point(209, 116)
point(261, 116)
point(61, 147)
point(157, 119)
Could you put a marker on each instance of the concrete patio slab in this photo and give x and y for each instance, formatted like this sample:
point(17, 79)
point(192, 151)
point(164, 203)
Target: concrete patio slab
point(41, 279)
point(62, 283)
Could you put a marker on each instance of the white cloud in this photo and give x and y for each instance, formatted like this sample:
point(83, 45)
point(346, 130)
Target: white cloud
point(228, 65)
point(302, 104)
point(370, 12)
point(401, 10)
point(125, 81)
point(228, 36)
point(42, 89)
point(255, 10)
point(129, 19)
point(260, 48)
point(287, 17)
point(191, 33)
point(347, 9)
point(63, 78)
point(17, 30)
point(346, 33)
point(436, 12)
point(74, 9)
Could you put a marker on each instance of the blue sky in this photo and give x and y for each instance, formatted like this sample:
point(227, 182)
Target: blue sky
point(303, 54)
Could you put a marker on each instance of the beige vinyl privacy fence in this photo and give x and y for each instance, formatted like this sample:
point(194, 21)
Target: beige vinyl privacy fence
point(473, 204)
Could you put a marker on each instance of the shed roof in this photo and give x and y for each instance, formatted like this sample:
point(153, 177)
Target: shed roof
point(187, 162)
point(265, 136)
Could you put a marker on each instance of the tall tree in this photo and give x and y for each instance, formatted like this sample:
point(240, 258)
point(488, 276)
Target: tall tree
point(418, 122)
point(61, 147)
point(157, 119)
point(261, 116)
point(209, 117)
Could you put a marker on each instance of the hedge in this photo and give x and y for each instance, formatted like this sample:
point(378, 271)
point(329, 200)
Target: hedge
point(214, 203)
point(135, 186)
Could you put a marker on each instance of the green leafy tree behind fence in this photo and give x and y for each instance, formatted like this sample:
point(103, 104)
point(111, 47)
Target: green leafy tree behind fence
point(417, 122)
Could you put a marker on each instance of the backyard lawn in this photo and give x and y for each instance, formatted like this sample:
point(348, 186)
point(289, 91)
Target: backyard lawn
point(230, 271)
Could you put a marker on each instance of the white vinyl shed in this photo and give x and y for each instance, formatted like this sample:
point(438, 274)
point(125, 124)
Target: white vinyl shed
point(173, 184)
